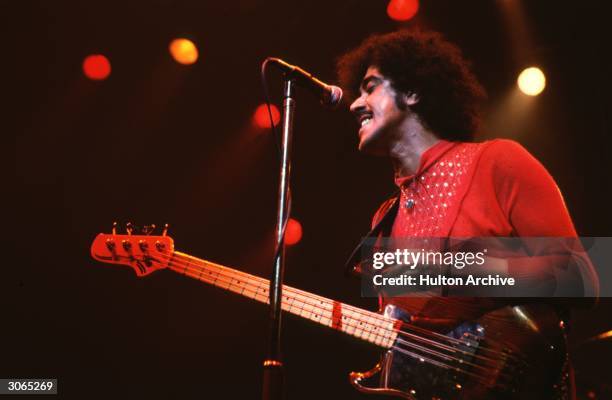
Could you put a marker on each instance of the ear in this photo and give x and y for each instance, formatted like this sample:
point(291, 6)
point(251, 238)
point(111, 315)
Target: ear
point(411, 99)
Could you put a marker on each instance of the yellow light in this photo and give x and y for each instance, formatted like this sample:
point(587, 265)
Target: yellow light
point(605, 335)
point(184, 51)
point(531, 81)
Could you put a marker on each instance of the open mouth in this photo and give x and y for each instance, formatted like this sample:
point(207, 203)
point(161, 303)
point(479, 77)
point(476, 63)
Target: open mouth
point(364, 119)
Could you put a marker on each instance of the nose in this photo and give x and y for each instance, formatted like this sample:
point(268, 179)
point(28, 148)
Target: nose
point(358, 105)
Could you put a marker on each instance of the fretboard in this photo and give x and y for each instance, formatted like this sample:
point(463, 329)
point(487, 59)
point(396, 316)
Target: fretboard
point(363, 324)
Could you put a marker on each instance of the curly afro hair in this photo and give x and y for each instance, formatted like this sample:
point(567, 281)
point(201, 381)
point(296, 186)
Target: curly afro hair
point(421, 62)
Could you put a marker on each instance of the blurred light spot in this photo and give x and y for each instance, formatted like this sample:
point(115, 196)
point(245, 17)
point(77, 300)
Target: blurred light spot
point(261, 118)
point(184, 51)
point(402, 10)
point(532, 81)
point(293, 232)
point(96, 67)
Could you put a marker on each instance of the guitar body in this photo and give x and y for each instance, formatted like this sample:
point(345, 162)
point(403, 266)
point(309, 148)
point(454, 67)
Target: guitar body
point(510, 353)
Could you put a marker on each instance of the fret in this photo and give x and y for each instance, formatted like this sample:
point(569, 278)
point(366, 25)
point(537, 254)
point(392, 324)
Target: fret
point(292, 299)
point(208, 277)
point(370, 322)
point(304, 302)
point(381, 335)
point(251, 292)
point(234, 286)
point(306, 310)
point(295, 309)
point(222, 283)
point(359, 329)
point(259, 296)
point(362, 324)
point(285, 305)
point(301, 310)
point(216, 277)
point(350, 325)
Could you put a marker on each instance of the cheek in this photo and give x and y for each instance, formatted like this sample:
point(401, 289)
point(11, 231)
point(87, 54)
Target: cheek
point(386, 107)
point(377, 104)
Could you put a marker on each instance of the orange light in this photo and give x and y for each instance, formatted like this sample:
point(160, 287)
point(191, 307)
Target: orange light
point(261, 118)
point(402, 10)
point(184, 51)
point(293, 232)
point(96, 67)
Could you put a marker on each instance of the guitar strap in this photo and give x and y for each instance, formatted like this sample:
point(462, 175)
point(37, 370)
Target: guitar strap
point(352, 266)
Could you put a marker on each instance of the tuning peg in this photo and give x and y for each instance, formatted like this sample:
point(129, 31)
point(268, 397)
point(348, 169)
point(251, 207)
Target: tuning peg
point(129, 228)
point(165, 231)
point(148, 229)
point(115, 228)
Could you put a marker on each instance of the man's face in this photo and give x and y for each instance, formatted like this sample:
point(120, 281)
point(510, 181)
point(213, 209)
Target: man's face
point(377, 113)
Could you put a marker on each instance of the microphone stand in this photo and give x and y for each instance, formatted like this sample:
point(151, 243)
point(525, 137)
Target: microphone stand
point(273, 366)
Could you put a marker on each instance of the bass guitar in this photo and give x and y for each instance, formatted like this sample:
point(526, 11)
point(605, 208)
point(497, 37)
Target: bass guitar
point(509, 353)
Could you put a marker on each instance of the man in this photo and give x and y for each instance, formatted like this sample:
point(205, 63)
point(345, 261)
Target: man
point(417, 103)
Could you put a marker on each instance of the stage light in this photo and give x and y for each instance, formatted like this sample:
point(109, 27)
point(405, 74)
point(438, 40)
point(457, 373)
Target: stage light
point(261, 117)
point(96, 67)
point(402, 10)
point(293, 232)
point(531, 81)
point(184, 51)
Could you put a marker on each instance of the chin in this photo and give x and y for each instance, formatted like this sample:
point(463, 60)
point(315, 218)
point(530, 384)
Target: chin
point(370, 147)
point(370, 143)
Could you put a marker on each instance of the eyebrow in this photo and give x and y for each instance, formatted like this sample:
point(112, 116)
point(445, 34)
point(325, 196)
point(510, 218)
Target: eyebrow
point(371, 78)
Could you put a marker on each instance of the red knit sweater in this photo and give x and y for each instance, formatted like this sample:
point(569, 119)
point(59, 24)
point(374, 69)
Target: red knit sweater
point(500, 190)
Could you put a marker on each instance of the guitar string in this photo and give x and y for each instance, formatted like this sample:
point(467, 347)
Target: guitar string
point(378, 317)
point(420, 357)
point(480, 378)
point(263, 285)
point(195, 268)
point(438, 354)
point(367, 337)
point(193, 272)
point(260, 293)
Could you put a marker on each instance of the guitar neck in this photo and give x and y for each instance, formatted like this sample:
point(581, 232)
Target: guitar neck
point(363, 324)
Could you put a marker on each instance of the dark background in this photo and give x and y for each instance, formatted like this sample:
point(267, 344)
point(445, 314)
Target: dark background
point(160, 142)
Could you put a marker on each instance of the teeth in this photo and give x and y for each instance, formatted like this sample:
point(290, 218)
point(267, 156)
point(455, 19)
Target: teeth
point(366, 121)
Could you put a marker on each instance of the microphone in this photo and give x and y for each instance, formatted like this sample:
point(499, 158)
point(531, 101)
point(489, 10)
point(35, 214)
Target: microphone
point(330, 95)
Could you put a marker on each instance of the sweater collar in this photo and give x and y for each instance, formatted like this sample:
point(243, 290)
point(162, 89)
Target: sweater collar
point(428, 158)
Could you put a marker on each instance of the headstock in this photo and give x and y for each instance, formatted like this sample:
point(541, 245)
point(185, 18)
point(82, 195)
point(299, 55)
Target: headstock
point(144, 253)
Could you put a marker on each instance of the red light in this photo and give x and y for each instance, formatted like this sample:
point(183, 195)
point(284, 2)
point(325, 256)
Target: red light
point(261, 117)
point(293, 232)
point(96, 67)
point(402, 10)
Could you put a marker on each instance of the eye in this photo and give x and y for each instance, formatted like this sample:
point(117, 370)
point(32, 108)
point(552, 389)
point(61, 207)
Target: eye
point(370, 88)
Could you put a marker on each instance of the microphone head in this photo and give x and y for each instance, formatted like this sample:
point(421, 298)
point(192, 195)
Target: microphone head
point(334, 97)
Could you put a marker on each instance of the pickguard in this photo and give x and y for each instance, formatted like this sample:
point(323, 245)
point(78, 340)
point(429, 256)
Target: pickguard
point(404, 370)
